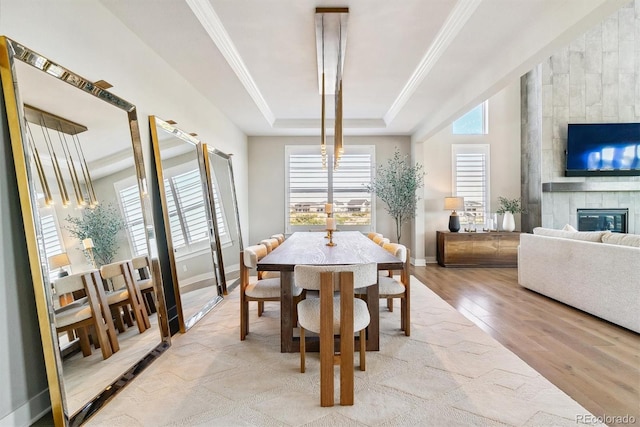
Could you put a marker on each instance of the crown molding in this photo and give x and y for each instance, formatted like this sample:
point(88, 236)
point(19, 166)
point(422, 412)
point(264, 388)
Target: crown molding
point(456, 20)
point(216, 31)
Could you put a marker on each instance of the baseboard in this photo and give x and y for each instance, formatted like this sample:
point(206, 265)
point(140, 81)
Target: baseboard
point(432, 260)
point(30, 412)
point(418, 262)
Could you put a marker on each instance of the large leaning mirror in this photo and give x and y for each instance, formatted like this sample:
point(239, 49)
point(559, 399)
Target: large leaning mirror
point(192, 235)
point(88, 229)
point(219, 168)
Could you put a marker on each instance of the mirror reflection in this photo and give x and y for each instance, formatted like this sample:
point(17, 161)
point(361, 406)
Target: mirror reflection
point(92, 229)
point(191, 234)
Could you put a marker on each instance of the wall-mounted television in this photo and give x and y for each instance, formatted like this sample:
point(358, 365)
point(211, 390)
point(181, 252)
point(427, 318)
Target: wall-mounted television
point(603, 149)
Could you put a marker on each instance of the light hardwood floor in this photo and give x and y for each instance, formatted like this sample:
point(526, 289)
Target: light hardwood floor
point(595, 362)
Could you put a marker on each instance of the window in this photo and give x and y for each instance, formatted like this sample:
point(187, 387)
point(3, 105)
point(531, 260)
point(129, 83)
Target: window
point(309, 187)
point(471, 178)
point(132, 210)
point(475, 122)
point(51, 240)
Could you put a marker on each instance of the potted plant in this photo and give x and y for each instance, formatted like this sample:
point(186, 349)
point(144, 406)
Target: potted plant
point(101, 224)
point(508, 207)
point(396, 184)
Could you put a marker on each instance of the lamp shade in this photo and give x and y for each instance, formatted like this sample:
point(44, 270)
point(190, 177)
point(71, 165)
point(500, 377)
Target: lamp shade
point(59, 261)
point(453, 203)
point(87, 243)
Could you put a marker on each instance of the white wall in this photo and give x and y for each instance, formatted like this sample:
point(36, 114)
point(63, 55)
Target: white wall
point(267, 180)
point(86, 38)
point(504, 140)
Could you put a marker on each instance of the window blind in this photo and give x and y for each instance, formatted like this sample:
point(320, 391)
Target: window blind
point(471, 179)
point(132, 209)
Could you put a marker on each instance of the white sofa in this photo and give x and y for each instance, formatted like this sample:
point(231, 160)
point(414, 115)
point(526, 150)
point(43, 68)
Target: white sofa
point(578, 269)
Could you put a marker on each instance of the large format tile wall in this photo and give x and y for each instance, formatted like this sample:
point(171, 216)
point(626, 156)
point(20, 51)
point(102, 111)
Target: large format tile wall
point(596, 79)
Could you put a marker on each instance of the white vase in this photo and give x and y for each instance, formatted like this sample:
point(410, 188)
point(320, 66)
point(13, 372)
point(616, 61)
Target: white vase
point(508, 222)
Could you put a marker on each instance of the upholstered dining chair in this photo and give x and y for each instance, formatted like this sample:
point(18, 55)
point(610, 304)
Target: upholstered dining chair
point(331, 315)
point(253, 288)
point(124, 296)
point(380, 240)
point(144, 282)
point(89, 312)
point(373, 234)
point(279, 236)
point(390, 287)
point(271, 244)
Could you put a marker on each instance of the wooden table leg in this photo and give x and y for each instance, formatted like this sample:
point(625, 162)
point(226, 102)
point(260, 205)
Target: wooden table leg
point(286, 312)
point(373, 330)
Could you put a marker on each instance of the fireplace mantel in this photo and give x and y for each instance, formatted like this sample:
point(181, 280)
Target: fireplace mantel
point(567, 186)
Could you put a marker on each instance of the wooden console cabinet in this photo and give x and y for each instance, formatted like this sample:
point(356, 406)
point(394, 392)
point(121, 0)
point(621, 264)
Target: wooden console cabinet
point(479, 249)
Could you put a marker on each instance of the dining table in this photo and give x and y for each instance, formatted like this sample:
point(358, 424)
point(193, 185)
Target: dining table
point(310, 248)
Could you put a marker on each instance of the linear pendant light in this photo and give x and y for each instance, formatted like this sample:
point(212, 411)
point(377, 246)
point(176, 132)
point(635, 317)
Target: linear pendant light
point(331, 26)
point(48, 200)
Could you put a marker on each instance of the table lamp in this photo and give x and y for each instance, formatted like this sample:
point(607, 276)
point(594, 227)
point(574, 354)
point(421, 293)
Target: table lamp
point(452, 204)
point(60, 261)
point(87, 244)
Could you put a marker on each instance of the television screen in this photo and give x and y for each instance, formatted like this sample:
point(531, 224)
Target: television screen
point(603, 149)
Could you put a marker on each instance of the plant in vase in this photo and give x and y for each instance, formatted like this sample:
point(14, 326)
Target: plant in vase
point(102, 225)
point(508, 207)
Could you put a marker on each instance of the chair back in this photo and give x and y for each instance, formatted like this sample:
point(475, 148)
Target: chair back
point(118, 273)
point(380, 240)
point(308, 276)
point(373, 234)
point(253, 254)
point(142, 265)
point(280, 237)
point(69, 284)
point(270, 244)
point(397, 250)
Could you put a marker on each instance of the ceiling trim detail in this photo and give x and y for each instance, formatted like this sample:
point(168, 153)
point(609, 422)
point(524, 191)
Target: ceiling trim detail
point(216, 31)
point(456, 20)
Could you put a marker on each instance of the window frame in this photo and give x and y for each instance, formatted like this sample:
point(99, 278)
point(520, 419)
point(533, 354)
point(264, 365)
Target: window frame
point(472, 149)
point(485, 120)
point(315, 150)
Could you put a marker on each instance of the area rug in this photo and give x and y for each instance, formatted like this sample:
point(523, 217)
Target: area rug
point(448, 373)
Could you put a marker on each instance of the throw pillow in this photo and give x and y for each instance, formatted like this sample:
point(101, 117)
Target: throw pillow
point(622, 239)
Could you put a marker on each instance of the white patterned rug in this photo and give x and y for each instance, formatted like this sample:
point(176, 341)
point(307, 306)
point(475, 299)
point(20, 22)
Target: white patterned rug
point(448, 373)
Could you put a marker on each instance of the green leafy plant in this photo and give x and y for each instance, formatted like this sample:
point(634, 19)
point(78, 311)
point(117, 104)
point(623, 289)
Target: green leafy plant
point(510, 205)
point(102, 224)
point(396, 184)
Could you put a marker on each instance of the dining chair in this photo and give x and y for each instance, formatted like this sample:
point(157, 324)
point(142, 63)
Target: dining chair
point(390, 286)
point(252, 288)
point(124, 296)
point(89, 312)
point(144, 282)
point(331, 315)
point(271, 244)
point(279, 236)
point(373, 234)
point(380, 240)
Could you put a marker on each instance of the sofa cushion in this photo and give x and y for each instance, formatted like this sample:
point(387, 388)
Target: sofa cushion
point(569, 227)
point(622, 239)
point(590, 236)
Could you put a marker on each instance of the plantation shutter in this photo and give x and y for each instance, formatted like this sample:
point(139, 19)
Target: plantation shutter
point(190, 202)
point(175, 223)
point(471, 178)
point(349, 192)
point(308, 186)
point(132, 209)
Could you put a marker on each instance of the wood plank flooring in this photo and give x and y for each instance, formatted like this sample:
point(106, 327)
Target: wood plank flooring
point(595, 362)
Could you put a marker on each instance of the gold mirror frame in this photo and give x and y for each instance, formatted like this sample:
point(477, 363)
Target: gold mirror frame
point(10, 51)
point(166, 152)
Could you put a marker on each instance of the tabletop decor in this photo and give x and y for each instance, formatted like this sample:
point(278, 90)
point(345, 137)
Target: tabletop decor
point(508, 207)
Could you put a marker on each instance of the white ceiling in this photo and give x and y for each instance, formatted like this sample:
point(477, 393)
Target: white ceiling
point(411, 66)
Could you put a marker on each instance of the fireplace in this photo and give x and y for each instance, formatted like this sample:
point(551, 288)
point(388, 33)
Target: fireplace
point(615, 220)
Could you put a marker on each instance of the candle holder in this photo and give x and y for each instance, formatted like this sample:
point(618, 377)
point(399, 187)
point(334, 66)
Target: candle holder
point(330, 236)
